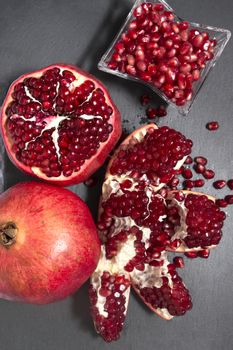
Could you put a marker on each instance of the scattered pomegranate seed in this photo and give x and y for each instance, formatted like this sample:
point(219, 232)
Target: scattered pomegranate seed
point(90, 182)
point(230, 184)
point(187, 173)
point(212, 126)
point(188, 160)
point(200, 160)
point(222, 203)
point(219, 184)
point(178, 261)
point(204, 253)
point(188, 184)
point(199, 183)
point(145, 99)
point(191, 255)
point(229, 199)
point(161, 112)
point(208, 174)
point(151, 113)
point(199, 168)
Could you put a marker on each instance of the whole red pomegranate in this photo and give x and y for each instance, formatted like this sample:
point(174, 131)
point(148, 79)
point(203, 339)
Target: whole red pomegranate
point(59, 124)
point(48, 243)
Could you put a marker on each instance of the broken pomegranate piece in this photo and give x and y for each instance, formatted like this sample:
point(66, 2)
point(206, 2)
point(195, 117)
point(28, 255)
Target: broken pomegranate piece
point(195, 220)
point(161, 289)
point(140, 219)
point(109, 295)
point(59, 124)
point(151, 154)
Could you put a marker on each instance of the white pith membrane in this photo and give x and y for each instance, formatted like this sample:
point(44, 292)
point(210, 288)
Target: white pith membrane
point(52, 122)
point(150, 276)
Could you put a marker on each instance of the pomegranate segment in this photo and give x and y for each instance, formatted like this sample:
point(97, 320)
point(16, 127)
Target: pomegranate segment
point(153, 154)
point(195, 220)
point(162, 289)
point(59, 124)
point(109, 295)
point(159, 49)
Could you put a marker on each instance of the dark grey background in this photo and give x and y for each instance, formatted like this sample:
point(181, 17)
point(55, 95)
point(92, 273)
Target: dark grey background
point(34, 34)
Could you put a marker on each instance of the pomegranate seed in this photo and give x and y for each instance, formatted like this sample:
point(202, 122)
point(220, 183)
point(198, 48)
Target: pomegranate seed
point(187, 173)
point(188, 160)
point(219, 184)
point(90, 182)
point(179, 196)
point(188, 184)
point(191, 255)
point(151, 113)
point(212, 126)
point(178, 261)
point(199, 183)
point(199, 168)
point(204, 253)
point(209, 174)
point(229, 199)
point(200, 160)
point(230, 184)
point(145, 99)
point(222, 203)
point(161, 111)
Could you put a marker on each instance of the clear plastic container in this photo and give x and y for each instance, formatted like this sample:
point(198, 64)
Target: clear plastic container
point(221, 35)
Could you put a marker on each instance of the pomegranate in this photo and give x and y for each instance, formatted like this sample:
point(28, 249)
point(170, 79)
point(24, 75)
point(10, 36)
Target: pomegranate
point(163, 51)
point(48, 243)
point(140, 219)
point(59, 124)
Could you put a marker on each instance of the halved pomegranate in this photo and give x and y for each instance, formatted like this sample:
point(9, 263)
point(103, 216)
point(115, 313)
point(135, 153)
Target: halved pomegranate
point(59, 124)
point(139, 221)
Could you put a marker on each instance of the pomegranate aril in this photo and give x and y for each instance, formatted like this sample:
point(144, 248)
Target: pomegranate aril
point(199, 183)
point(188, 160)
point(229, 199)
point(191, 255)
point(209, 174)
point(161, 112)
point(230, 184)
point(212, 126)
point(205, 253)
point(178, 261)
point(219, 184)
point(187, 173)
point(222, 203)
point(151, 113)
point(200, 160)
point(145, 99)
point(199, 168)
point(188, 184)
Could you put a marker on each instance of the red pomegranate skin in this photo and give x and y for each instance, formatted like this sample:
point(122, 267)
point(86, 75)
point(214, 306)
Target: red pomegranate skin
point(56, 248)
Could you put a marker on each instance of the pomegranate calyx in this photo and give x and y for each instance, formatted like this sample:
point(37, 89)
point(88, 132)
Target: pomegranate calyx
point(8, 233)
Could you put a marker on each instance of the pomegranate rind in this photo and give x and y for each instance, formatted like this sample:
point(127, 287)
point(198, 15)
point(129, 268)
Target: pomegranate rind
point(90, 165)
